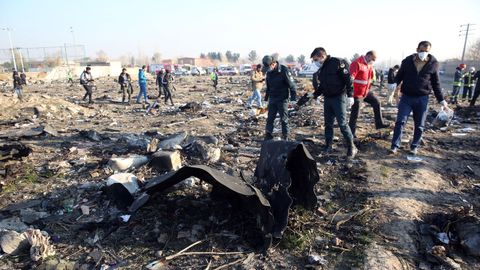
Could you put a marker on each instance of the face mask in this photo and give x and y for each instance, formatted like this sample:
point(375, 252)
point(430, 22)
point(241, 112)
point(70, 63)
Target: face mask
point(422, 55)
point(317, 63)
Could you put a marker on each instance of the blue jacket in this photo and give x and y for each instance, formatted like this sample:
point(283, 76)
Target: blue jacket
point(141, 77)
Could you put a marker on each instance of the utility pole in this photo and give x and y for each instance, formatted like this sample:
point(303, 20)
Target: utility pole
point(11, 45)
point(465, 32)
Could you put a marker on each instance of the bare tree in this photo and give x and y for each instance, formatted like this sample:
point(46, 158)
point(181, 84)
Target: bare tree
point(156, 58)
point(474, 51)
point(301, 59)
point(102, 56)
point(252, 56)
point(290, 59)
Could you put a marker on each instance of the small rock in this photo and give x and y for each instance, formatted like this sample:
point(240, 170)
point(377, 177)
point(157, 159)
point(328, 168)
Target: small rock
point(29, 216)
point(13, 224)
point(168, 161)
point(163, 238)
point(123, 164)
point(85, 210)
point(13, 242)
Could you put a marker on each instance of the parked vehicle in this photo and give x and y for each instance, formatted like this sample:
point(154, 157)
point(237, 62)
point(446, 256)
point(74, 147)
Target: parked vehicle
point(227, 71)
point(246, 69)
point(181, 72)
point(308, 70)
point(197, 71)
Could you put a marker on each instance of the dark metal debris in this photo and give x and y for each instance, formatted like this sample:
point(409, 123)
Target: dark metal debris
point(286, 173)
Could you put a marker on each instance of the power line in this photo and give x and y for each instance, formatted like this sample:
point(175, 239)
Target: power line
point(465, 32)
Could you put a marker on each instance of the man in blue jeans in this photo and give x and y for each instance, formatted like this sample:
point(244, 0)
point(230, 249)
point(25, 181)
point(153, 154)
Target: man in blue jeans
point(280, 87)
point(142, 81)
point(419, 76)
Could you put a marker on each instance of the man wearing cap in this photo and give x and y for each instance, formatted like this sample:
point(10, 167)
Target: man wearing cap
point(418, 74)
point(333, 81)
point(279, 88)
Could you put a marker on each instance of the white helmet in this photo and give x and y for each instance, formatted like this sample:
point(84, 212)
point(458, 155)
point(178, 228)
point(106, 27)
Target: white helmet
point(472, 69)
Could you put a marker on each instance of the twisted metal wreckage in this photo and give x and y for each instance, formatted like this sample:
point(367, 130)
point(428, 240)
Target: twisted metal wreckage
point(285, 174)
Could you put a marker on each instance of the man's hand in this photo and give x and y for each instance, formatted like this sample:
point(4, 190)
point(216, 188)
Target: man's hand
point(350, 101)
point(445, 105)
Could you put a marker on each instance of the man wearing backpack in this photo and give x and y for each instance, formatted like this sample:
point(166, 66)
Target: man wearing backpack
point(86, 81)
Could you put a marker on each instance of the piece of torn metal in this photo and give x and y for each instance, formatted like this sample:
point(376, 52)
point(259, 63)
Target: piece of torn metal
point(286, 173)
point(233, 188)
point(15, 134)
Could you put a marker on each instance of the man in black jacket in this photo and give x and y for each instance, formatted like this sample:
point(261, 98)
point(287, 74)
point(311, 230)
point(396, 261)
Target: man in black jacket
point(333, 81)
point(419, 76)
point(477, 88)
point(125, 82)
point(392, 86)
point(279, 87)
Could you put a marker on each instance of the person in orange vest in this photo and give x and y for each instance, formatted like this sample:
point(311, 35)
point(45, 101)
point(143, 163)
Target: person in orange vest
point(362, 73)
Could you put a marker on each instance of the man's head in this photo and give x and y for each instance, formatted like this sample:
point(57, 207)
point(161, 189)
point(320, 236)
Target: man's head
point(370, 57)
point(144, 67)
point(319, 54)
point(269, 62)
point(259, 67)
point(472, 69)
point(462, 66)
point(88, 69)
point(422, 50)
point(396, 67)
point(124, 70)
point(424, 46)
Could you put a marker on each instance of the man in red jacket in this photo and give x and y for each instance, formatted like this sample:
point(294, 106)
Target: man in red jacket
point(361, 71)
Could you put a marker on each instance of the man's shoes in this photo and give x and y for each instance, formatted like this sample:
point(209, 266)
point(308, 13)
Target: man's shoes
point(285, 137)
point(393, 151)
point(268, 137)
point(413, 152)
point(328, 148)
point(352, 151)
point(383, 125)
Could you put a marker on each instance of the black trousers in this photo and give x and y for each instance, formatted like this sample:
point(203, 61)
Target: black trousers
point(168, 94)
point(475, 94)
point(374, 102)
point(88, 92)
point(467, 90)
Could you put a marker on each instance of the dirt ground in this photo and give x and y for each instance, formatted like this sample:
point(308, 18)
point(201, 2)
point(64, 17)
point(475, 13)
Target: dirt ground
point(372, 211)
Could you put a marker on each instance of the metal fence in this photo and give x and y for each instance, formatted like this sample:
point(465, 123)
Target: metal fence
point(37, 59)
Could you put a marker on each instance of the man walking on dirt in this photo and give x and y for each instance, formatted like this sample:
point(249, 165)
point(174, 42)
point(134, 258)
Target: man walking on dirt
point(17, 85)
point(391, 85)
point(418, 74)
point(476, 93)
point(280, 87)
point(125, 82)
point(167, 83)
point(142, 82)
point(159, 81)
point(257, 85)
point(333, 81)
point(86, 81)
point(361, 71)
point(214, 78)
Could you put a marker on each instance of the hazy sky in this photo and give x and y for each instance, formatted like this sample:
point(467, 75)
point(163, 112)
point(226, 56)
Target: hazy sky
point(187, 27)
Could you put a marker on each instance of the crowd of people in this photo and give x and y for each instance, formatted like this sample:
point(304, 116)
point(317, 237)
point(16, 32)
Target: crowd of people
point(343, 86)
